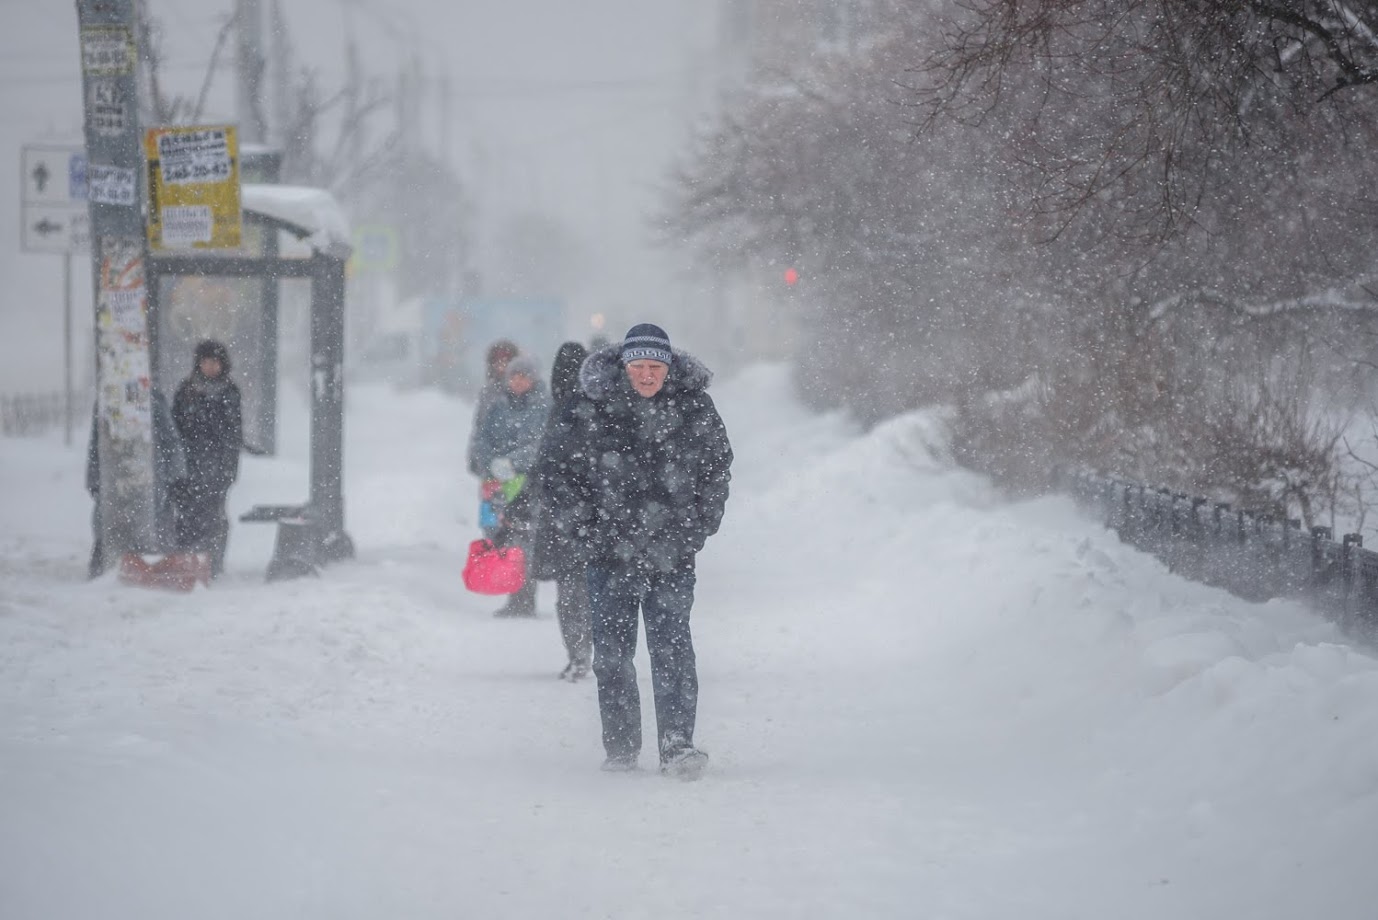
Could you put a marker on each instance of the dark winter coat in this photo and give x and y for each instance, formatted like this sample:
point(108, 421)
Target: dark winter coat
point(564, 373)
point(551, 554)
point(208, 416)
point(637, 481)
point(512, 428)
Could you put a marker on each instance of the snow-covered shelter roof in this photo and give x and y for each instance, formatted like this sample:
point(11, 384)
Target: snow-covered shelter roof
point(312, 214)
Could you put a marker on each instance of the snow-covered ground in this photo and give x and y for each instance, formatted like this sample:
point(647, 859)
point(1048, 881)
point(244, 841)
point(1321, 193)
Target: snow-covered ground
point(920, 701)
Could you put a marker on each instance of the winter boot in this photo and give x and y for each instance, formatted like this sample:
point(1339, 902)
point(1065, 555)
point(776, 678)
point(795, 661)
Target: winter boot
point(520, 604)
point(680, 759)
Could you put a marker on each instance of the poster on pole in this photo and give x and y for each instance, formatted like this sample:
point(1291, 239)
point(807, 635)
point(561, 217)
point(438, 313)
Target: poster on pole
point(122, 341)
point(193, 188)
point(107, 50)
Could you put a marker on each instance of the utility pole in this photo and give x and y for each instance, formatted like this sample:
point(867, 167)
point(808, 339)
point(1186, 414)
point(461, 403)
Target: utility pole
point(282, 78)
point(249, 69)
point(445, 102)
point(124, 377)
point(68, 409)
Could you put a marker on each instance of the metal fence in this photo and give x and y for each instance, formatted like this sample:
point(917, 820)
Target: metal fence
point(32, 413)
point(1253, 556)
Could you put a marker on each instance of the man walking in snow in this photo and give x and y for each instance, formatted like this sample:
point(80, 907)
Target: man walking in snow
point(636, 471)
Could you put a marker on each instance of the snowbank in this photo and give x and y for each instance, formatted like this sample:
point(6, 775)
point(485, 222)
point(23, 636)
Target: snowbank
point(920, 702)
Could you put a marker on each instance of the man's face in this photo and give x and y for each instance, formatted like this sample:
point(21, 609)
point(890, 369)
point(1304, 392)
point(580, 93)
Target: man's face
point(647, 376)
point(210, 367)
point(520, 384)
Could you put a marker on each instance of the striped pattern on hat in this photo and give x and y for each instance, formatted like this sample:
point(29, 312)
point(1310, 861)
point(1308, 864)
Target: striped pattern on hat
point(646, 342)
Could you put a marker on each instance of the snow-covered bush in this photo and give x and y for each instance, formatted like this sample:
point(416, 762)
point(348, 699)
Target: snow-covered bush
point(944, 268)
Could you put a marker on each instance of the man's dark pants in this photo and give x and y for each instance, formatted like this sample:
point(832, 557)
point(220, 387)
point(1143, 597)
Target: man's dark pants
point(664, 599)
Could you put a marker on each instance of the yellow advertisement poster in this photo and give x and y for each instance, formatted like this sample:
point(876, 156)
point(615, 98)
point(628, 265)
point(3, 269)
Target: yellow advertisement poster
point(193, 187)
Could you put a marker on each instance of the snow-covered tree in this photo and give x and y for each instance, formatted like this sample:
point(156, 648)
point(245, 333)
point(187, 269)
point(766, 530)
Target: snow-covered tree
point(958, 260)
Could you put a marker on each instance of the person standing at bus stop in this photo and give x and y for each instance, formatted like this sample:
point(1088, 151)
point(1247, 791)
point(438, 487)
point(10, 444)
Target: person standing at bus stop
point(206, 410)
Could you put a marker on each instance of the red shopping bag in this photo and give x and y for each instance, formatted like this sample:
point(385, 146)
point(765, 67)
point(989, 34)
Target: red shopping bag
point(494, 569)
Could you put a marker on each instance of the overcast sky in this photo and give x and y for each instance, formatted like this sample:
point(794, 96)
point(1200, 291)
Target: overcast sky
point(570, 108)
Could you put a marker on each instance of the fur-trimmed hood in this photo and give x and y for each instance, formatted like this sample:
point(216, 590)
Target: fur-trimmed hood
point(602, 375)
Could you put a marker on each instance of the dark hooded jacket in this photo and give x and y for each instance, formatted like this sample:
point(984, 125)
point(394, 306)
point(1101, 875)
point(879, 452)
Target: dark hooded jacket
point(637, 481)
point(208, 416)
point(564, 373)
point(552, 554)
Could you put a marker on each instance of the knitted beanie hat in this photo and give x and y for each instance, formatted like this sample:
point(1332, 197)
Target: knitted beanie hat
point(646, 342)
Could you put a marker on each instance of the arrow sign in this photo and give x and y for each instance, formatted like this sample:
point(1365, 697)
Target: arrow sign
point(56, 228)
point(54, 174)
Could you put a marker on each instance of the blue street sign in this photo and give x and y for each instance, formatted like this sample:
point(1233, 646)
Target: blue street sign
point(76, 176)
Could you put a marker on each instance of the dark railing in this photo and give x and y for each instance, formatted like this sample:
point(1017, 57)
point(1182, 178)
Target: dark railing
point(31, 413)
point(1251, 555)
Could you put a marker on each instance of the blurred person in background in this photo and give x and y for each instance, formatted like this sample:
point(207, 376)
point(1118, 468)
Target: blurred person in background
point(506, 446)
point(554, 555)
point(494, 381)
point(207, 412)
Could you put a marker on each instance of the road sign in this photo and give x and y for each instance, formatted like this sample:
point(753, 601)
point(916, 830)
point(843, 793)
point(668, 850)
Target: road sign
point(193, 187)
point(375, 248)
point(54, 174)
point(53, 189)
point(56, 228)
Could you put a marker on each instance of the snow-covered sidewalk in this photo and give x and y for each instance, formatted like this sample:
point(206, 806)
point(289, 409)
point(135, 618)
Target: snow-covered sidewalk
point(920, 702)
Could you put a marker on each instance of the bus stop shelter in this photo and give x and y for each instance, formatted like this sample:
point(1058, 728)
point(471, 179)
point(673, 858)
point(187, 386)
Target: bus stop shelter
point(311, 533)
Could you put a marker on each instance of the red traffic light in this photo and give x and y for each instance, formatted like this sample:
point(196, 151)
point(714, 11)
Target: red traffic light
point(791, 276)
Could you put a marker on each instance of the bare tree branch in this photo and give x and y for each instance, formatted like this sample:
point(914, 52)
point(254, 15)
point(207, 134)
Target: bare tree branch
point(221, 38)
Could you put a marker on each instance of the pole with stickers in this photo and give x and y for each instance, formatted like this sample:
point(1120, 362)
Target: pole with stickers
point(128, 497)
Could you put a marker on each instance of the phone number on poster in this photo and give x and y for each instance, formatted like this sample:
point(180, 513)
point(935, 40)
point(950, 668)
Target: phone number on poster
point(213, 171)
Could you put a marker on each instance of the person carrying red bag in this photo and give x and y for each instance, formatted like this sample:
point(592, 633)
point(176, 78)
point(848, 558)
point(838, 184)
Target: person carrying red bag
point(505, 447)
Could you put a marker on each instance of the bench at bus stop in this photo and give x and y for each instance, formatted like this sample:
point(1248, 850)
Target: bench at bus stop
point(304, 542)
